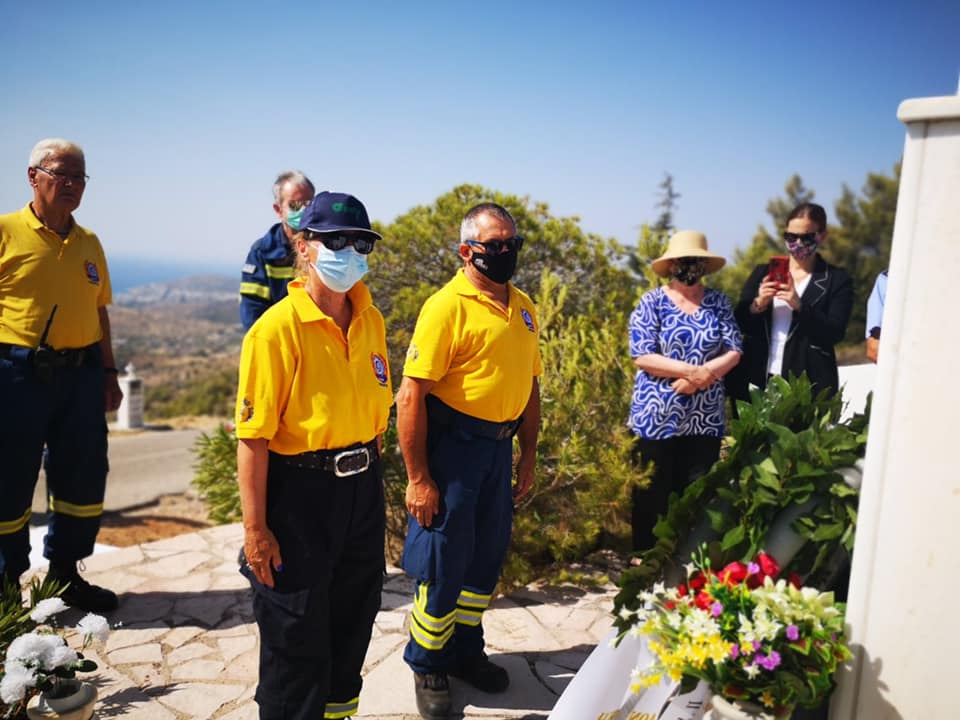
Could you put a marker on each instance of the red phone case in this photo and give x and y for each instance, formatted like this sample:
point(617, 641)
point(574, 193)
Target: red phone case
point(779, 268)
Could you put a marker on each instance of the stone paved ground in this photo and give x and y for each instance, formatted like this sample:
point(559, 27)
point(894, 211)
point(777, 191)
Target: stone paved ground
point(187, 644)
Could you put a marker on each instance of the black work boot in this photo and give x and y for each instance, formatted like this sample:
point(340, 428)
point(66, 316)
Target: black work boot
point(79, 593)
point(433, 695)
point(482, 674)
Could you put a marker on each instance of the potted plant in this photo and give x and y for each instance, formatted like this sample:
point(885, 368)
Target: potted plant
point(42, 659)
point(762, 644)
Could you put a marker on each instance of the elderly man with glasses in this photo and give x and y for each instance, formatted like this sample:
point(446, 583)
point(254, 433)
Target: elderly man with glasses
point(57, 374)
point(270, 262)
point(470, 384)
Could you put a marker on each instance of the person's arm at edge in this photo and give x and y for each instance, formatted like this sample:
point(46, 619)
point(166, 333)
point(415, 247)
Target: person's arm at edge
point(527, 437)
point(112, 394)
point(259, 544)
point(422, 495)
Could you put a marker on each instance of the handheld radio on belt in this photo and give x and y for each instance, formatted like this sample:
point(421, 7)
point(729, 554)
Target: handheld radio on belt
point(44, 355)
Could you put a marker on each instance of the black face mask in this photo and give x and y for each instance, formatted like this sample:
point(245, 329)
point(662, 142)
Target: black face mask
point(690, 270)
point(499, 267)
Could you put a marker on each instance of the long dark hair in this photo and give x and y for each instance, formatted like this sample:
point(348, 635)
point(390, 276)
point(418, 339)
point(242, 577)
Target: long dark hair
point(811, 211)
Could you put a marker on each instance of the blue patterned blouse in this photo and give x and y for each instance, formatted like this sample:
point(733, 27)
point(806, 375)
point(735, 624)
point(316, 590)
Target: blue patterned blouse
point(657, 325)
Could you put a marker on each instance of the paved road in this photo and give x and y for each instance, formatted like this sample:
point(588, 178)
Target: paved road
point(143, 466)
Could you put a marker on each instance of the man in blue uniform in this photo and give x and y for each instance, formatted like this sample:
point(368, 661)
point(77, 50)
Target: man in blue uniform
point(269, 265)
point(57, 374)
point(470, 384)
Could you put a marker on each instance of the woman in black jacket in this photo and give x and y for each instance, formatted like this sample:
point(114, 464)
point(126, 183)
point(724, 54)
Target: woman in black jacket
point(791, 327)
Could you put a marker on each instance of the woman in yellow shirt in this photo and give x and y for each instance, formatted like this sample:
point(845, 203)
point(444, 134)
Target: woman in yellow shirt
point(313, 401)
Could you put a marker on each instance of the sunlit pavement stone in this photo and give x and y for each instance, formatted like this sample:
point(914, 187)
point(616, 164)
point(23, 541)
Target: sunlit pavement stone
point(185, 647)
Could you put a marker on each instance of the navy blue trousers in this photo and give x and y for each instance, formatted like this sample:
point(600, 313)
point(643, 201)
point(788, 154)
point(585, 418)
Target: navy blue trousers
point(315, 623)
point(65, 412)
point(457, 560)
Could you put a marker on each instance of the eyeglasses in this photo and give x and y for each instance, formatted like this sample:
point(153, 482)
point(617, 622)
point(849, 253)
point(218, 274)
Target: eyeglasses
point(801, 237)
point(363, 244)
point(298, 204)
point(495, 247)
point(60, 178)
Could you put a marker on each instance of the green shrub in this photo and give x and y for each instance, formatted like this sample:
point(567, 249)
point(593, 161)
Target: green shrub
point(786, 452)
point(215, 474)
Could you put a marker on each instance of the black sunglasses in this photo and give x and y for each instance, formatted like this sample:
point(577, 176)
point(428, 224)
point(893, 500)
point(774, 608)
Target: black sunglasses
point(495, 247)
point(800, 237)
point(363, 244)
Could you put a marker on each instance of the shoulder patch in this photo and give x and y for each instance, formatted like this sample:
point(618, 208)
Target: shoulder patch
point(527, 320)
point(93, 277)
point(248, 268)
point(379, 368)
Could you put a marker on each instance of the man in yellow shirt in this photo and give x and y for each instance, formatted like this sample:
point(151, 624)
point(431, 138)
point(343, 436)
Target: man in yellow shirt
point(57, 373)
point(470, 384)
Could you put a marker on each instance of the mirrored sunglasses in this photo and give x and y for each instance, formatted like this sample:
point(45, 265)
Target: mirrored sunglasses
point(363, 244)
point(495, 247)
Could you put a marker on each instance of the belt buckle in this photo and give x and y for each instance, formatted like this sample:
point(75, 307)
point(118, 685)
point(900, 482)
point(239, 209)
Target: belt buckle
point(351, 462)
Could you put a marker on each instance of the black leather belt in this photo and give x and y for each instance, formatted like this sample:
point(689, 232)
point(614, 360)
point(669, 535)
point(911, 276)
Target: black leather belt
point(342, 463)
point(48, 357)
point(442, 414)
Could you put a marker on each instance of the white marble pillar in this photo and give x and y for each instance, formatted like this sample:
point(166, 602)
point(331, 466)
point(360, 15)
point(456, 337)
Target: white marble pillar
point(130, 412)
point(903, 610)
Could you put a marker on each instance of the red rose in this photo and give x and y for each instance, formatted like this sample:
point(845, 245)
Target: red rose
point(768, 566)
point(697, 582)
point(682, 590)
point(733, 574)
point(795, 580)
point(703, 601)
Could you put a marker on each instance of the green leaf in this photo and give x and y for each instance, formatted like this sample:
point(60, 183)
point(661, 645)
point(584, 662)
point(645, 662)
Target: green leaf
point(732, 538)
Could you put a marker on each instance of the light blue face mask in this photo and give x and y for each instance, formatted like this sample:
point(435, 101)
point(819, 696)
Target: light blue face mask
point(294, 216)
point(340, 270)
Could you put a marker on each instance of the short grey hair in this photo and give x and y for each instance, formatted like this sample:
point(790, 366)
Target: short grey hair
point(53, 146)
point(468, 228)
point(295, 177)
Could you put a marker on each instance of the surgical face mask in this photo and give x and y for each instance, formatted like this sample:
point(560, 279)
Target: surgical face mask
point(801, 246)
point(689, 270)
point(499, 267)
point(294, 216)
point(340, 270)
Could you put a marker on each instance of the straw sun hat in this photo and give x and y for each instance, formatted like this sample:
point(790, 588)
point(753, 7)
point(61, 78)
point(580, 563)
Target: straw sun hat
point(687, 243)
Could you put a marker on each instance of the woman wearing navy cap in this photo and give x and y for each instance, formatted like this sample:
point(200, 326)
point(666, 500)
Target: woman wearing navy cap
point(313, 402)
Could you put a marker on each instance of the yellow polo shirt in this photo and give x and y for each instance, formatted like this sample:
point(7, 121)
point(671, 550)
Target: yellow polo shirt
point(39, 270)
point(303, 386)
point(482, 358)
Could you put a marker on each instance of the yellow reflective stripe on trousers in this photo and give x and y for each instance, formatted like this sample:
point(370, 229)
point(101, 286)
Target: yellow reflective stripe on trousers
point(469, 617)
point(248, 288)
point(426, 630)
point(280, 272)
point(429, 622)
point(81, 511)
point(473, 600)
point(428, 640)
point(341, 710)
point(9, 527)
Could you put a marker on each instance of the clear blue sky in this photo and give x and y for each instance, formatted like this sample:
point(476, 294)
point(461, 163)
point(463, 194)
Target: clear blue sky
point(187, 110)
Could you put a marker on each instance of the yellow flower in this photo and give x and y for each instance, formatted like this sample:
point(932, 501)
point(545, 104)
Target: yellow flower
point(767, 699)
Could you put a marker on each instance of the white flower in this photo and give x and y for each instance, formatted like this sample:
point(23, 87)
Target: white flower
point(58, 656)
point(94, 626)
point(16, 679)
point(691, 568)
point(751, 670)
point(46, 608)
point(30, 648)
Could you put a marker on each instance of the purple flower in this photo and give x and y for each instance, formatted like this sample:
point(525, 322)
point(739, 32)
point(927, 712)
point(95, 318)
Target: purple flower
point(793, 633)
point(716, 609)
point(756, 644)
point(735, 651)
point(770, 662)
point(752, 568)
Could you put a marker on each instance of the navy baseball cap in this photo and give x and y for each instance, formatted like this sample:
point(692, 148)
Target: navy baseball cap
point(336, 212)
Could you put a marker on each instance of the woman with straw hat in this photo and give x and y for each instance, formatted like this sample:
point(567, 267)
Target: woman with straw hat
point(683, 340)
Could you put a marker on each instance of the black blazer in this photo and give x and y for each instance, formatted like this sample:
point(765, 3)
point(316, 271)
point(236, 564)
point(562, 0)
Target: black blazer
point(820, 324)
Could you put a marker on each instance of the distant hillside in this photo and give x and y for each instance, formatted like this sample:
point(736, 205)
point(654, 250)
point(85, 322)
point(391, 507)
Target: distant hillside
point(127, 273)
point(195, 289)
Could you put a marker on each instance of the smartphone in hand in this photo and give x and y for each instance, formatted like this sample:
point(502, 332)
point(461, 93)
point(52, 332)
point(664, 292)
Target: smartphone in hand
point(779, 269)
